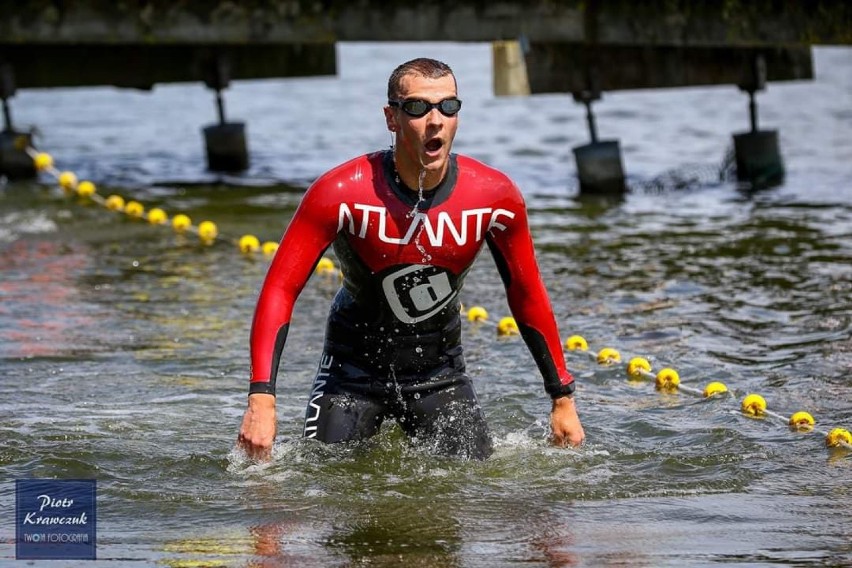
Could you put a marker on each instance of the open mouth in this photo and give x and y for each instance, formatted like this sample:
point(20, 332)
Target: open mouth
point(434, 145)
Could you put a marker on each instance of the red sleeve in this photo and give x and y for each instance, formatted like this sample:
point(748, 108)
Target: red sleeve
point(309, 234)
point(514, 254)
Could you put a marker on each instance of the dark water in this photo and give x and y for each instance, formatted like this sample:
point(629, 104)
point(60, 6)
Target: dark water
point(124, 348)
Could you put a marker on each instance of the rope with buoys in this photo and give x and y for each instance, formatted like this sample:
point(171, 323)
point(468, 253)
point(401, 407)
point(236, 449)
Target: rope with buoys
point(666, 379)
point(207, 231)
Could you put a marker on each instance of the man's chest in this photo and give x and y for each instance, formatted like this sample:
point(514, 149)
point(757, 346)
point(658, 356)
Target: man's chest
point(449, 236)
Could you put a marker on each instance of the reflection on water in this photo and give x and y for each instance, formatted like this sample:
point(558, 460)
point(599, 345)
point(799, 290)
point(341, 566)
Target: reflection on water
point(124, 348)
point(40, 313)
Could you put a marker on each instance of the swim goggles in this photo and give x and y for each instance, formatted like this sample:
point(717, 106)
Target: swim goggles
point(418, 108)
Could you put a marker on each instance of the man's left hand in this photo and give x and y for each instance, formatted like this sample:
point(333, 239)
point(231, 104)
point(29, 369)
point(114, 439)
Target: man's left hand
point(565, 423)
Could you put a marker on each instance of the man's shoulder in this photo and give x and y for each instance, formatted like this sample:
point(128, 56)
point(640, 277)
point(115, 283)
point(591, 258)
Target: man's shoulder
point(351, 167)
point(482, 171)
point(467, 163)
point(352, 178)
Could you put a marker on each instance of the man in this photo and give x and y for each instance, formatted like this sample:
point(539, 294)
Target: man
point(406, 225)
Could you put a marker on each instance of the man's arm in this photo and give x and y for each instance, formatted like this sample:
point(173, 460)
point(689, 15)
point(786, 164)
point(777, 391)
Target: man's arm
point(311, 230)
point(514, 255)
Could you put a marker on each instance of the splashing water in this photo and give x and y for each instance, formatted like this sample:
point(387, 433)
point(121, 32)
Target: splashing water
point(415, 210)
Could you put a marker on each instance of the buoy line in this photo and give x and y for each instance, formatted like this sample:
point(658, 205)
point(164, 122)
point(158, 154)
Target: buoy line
point(207, 231)
point(668, 380)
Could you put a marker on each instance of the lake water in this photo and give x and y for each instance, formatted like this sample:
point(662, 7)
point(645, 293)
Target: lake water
point(124, 348)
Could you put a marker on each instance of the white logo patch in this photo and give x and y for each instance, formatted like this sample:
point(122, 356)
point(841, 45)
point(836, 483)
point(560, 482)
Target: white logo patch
point(418, 292)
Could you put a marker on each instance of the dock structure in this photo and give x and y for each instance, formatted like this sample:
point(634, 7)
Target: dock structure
point(583, 47)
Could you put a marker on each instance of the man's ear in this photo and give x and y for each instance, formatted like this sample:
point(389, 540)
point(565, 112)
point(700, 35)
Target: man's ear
point(390, 119)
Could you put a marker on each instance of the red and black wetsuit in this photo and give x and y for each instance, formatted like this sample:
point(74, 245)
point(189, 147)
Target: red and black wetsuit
point(392, 344)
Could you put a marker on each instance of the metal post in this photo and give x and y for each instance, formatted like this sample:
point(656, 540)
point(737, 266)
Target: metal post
point(587, 97)
point(7, 116)
point(220, 106)
point(752, 111)
point(590, 118)
point(225, 142)
point(598, 162)
point(7, 91)
point(756, 152)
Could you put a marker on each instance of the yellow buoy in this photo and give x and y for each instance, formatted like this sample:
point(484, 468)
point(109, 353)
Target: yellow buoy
point(86, 189)
point(114, 203)
point(637, 367)
point(181, 222)
point(667, 379)
point(837, 437)
point(325, 266)
point(576, 342)
point(269, 248)
point(477, 313)
point(507, 326)
point(43, 161)
point(802, 421)
point(157, 216)
point(207, 232)
point(715, 388)
point(249, 244)
point(67, 181)
point(134, 209)
point(754, 405)
point(608, 355)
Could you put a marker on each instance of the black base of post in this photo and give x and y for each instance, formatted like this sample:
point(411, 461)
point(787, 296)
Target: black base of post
point(599, 168)
point(227, 150)
point(15, 163)
point(758, 159)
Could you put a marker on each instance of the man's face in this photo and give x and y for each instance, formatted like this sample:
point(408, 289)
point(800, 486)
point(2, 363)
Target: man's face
point(423, 143)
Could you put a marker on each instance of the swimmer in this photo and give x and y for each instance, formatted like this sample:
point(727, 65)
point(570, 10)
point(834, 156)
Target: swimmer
point(406, 224)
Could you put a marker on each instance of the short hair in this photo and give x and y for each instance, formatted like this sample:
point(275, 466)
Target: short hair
point(423, 66)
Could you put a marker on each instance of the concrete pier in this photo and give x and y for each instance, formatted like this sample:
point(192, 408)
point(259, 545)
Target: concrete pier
point(605, 22)
point(140, 43)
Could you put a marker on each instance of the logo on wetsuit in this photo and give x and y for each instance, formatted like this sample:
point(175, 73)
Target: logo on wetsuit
point(418, 292)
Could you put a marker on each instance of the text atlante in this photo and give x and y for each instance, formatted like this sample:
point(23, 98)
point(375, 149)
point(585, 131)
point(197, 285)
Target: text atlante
point(479, 220)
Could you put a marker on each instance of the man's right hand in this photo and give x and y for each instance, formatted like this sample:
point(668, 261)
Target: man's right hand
point(257, 431)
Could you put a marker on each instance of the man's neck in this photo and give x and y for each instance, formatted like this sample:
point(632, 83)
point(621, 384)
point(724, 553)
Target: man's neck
point(411, 177)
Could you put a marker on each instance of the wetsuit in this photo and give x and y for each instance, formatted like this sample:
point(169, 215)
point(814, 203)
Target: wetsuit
point(392, 345)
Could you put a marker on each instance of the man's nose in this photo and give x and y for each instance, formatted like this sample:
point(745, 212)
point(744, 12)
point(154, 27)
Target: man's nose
point(434, 116)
